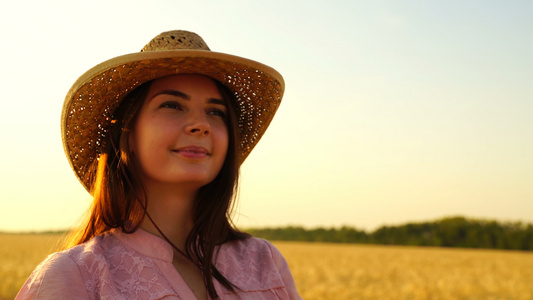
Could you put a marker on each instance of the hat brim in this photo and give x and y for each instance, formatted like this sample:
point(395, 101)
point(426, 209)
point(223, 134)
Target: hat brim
point(93, 98)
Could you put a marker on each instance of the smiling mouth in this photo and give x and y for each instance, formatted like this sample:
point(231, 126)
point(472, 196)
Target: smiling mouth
point(192, 152)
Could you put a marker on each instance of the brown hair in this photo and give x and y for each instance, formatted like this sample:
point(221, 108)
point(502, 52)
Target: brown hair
point(119, 199)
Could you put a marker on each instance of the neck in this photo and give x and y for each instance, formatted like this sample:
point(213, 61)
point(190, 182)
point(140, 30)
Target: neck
point(171, 209)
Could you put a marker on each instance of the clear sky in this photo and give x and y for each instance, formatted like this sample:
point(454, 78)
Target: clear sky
point(394, 111)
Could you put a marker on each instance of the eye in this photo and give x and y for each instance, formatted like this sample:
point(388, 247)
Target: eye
point(217, 112)
point(171, 105)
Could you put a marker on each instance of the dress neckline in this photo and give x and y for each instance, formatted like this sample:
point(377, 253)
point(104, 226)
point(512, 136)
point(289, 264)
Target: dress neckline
point(146, 243)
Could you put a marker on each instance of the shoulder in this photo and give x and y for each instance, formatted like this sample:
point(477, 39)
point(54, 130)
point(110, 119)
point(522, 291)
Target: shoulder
point(250, 255)
point(93, 250)
point(57, 277)
point(257, 268)
point(251, 251)
point(64, 274)
point(251, 247)
point(256, 265)
point(55, 264)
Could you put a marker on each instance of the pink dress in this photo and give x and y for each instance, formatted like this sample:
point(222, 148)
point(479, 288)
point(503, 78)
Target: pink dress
point(116, 265)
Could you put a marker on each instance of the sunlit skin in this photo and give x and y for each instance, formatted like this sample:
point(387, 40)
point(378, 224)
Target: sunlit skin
point(180, 141)
point(180, 136)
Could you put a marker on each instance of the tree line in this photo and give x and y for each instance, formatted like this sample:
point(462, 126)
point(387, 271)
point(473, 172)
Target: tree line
point(447, 232)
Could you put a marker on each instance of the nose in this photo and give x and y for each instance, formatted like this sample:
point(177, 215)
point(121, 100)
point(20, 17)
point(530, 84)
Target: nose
point(198, 125)
point(198, 131)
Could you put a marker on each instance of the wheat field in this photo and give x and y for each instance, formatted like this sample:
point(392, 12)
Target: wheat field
point(342, 271)
point(19, 254)
point(333, 271)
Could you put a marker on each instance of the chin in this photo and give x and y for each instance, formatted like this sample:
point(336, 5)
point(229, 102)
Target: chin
point(197, 179)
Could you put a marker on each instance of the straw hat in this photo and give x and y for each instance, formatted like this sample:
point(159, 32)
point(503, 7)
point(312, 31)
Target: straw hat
point(91, 101)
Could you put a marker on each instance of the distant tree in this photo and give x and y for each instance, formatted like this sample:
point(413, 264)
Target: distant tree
point(446, 232)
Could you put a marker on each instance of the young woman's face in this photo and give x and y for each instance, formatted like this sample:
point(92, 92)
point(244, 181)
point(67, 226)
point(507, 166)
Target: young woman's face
point(180, 134)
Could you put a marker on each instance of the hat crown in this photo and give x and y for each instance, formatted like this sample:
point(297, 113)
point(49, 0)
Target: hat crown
point(176, 40)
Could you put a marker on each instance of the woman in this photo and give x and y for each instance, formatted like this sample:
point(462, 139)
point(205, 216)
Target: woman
point(157, 138)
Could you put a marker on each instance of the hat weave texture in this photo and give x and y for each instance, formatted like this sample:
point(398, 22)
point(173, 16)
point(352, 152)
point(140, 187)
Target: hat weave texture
point(90, 103)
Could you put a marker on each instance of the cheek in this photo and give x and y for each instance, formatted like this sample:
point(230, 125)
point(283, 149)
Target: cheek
point(147, 131)
point(223, 140)
point(142, 138)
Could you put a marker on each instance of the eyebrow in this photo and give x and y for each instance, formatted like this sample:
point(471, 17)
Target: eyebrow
point(187, 97)
point(173, 93)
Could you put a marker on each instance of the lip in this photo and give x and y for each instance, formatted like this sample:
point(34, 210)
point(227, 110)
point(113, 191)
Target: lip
point(194, 152)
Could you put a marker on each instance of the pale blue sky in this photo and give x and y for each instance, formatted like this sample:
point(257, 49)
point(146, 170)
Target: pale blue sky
point(394, 111)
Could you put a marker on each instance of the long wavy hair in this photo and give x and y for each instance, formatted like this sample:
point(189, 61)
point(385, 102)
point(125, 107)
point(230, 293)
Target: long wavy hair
point(119, 199)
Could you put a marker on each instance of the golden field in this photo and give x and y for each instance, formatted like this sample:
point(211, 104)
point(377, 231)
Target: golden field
point(19, 254)
point(336, 271)
point(339, 271)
